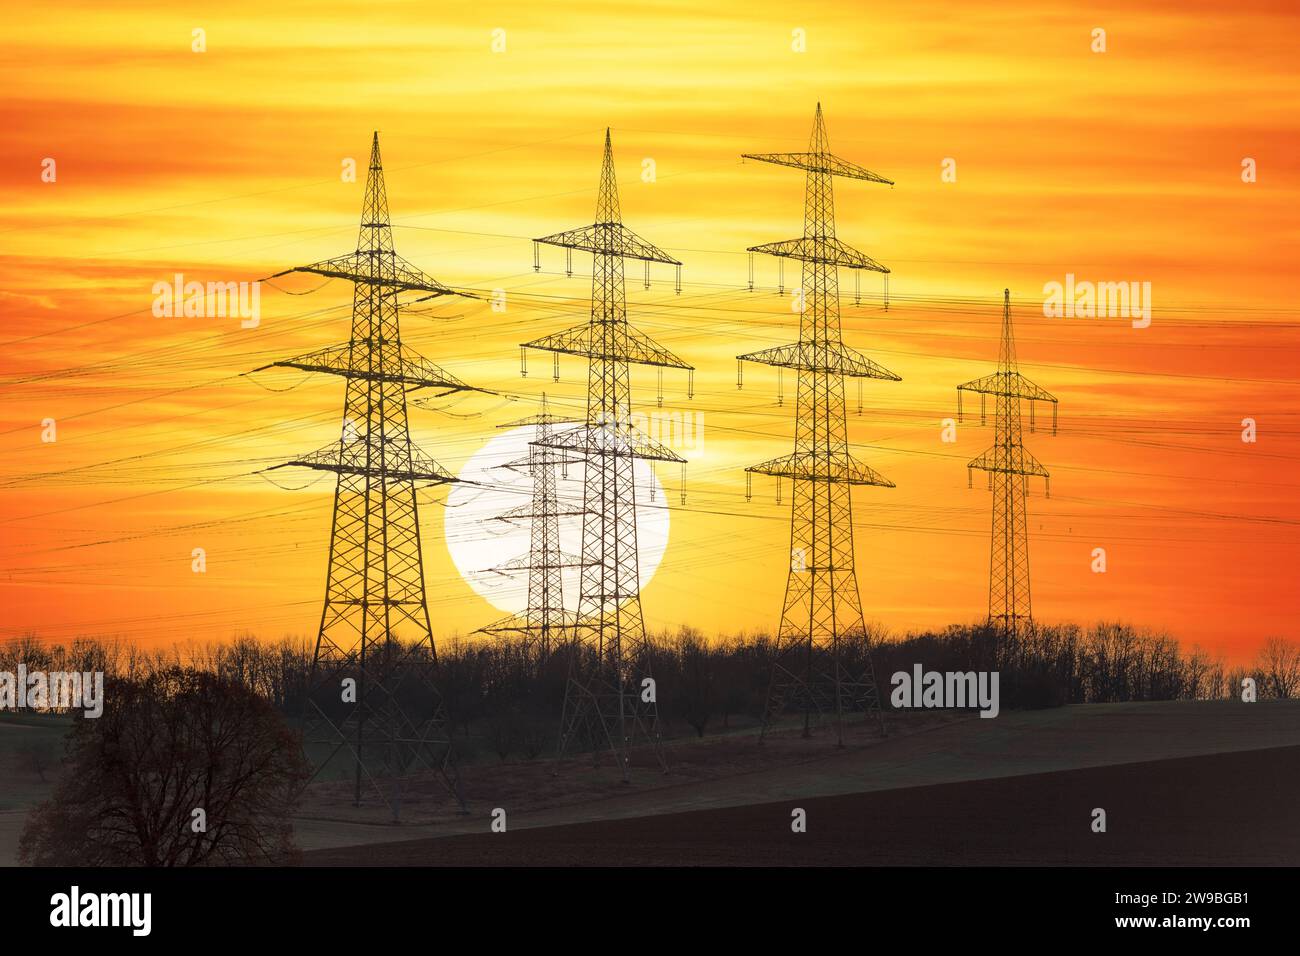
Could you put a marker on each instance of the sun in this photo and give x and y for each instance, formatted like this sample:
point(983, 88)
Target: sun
point(478, 540)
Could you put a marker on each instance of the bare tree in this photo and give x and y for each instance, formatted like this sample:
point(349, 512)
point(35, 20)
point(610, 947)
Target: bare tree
point(184, 768)
point(694, 695)
point(1279, 664)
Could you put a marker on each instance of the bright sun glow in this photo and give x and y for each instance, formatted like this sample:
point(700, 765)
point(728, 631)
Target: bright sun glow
point(478, 542)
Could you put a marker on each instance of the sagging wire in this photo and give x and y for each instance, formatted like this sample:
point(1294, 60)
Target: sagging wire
point(267, 281)
point(314, 481)
point(249, 375)
point(468, 415)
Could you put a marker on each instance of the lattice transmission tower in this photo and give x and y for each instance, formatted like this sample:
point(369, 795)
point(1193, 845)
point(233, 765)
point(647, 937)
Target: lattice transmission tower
point(544, 624)
point(610, 699)
point(372, 692)
point(822, 608)
point(1009, 466)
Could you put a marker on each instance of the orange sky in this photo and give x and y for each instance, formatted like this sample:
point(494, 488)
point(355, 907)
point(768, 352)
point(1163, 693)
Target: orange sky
point(224, 165)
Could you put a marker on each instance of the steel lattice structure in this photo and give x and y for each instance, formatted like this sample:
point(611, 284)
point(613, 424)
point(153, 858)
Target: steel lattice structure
point(606, 702)
point(822, 605)
point(545, 623)
point(1009, 468)
point(372, 691)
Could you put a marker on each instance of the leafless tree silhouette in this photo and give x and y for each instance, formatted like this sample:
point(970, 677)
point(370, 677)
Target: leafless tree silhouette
point(184, 768)
point(1279, 665)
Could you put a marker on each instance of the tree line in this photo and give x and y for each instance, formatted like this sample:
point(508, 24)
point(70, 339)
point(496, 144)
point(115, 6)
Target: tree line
point(194, 761)
point(502, 686)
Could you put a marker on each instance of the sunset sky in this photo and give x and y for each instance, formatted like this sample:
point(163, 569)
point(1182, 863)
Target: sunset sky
point(224, 165)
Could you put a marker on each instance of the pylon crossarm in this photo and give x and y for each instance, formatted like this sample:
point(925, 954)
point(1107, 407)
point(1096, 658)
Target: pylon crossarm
point(352, 362)
point(351, 459)
point(526, 465)
point(441, 294)
point(825, 249)
point(609, 239)
point(820, 163)
point(527, 512)
point(836, 468)
point(526, 562)
point(522, 625)
point(590, 340)
point(541, 420)
point(813, 356)
point(385, 269)
point(1009, 461)
point(610, 440)
point(1008, 384)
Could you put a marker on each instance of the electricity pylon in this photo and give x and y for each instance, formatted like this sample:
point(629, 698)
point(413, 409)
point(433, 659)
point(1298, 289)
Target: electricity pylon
point(371, 691)
point(1009, 468)
point(610, 697)
point(822, 607)
point(545, 623)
